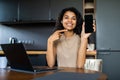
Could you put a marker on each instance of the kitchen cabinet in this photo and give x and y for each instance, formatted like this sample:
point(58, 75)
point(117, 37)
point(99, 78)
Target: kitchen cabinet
point(24, 10)
point(57, 5)
point(111, 65)
point(8, 10)
point(46, 9)
point(34, 10)
point(107, 38)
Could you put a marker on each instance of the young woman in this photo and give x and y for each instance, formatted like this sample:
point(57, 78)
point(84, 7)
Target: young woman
point(69, 41)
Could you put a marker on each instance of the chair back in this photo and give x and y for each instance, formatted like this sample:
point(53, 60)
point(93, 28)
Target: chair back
point(93, 64)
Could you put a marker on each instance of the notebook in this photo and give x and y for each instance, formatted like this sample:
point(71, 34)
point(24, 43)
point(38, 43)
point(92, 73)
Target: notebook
point(19, 60)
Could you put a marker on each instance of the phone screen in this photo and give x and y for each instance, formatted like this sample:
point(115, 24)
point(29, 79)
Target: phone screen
point(88, 23)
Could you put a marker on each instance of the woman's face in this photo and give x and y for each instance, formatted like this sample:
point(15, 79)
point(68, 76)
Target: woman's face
point(69, 20)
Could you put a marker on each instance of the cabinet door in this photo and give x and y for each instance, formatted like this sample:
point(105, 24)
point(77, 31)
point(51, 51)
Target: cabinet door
point(8, 10)
point(57, 5)
point(34, 9)
point(111, 64)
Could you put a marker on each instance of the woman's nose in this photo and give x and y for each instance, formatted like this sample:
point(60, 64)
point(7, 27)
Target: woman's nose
point(70, 20)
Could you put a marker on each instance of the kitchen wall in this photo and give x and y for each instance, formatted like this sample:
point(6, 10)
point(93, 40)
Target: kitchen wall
point(36, 33)
point(33, 36)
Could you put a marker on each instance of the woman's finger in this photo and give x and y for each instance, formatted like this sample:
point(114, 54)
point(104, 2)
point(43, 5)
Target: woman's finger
point(60, 31)
point(94, 27)
point(83, 27)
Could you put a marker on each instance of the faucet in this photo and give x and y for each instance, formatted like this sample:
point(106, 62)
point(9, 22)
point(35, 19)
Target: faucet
point(12, 40)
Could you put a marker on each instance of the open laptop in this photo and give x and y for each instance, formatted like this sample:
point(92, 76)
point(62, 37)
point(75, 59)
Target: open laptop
point(19, 60)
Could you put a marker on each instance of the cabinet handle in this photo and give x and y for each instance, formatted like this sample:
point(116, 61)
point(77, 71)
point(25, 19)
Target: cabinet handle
point(104, 50)
point(104, 53)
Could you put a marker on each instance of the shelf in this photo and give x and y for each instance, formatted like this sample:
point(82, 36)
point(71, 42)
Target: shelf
point(89, 5)
point(91, 10)
point(28, 22)
point(89, 1)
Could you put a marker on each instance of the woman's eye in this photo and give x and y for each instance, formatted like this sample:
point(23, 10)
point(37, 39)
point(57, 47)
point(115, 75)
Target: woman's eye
point(65, 17)
point(74, 18)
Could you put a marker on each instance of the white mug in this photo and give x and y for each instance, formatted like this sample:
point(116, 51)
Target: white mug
point(91, 47)
point(3, 62)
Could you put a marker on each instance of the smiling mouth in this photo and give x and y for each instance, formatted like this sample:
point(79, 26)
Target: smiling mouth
point(69, 25)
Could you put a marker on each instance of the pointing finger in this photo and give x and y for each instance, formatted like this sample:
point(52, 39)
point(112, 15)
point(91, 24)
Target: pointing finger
point(64, 30)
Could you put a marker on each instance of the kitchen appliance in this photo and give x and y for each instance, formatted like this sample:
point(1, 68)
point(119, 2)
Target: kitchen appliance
point(107, 36)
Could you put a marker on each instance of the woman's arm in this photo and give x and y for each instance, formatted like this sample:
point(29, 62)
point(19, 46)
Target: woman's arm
point(50, 55)
point(82, 53)
point(83, 46)
point(51, 49)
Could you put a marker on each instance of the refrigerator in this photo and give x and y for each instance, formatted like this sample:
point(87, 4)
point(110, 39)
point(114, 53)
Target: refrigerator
point(108, 36)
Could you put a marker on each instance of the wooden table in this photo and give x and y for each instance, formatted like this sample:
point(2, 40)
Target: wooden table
point(13, 75)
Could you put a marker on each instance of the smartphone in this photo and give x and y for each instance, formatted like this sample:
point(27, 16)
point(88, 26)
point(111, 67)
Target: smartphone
point(88, 23)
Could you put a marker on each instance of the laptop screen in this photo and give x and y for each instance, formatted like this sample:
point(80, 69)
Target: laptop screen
point(17, 57)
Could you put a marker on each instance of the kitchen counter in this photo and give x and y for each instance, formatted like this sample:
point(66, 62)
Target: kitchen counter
point(89, 53)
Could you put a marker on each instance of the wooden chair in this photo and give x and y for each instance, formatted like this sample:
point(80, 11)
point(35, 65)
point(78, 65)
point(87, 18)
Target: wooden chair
point(93, 64)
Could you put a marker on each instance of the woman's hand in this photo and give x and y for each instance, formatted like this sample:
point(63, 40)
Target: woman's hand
point(86, 35)
point(94, 27)
point(56, 35)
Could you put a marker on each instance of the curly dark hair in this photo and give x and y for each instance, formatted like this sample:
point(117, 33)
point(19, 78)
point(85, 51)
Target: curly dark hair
point(78, 28)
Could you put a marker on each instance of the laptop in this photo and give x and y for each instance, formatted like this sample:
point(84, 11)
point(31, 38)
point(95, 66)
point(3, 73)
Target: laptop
point(19, 60)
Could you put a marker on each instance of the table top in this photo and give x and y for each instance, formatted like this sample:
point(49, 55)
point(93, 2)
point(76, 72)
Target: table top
point(14, 75)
